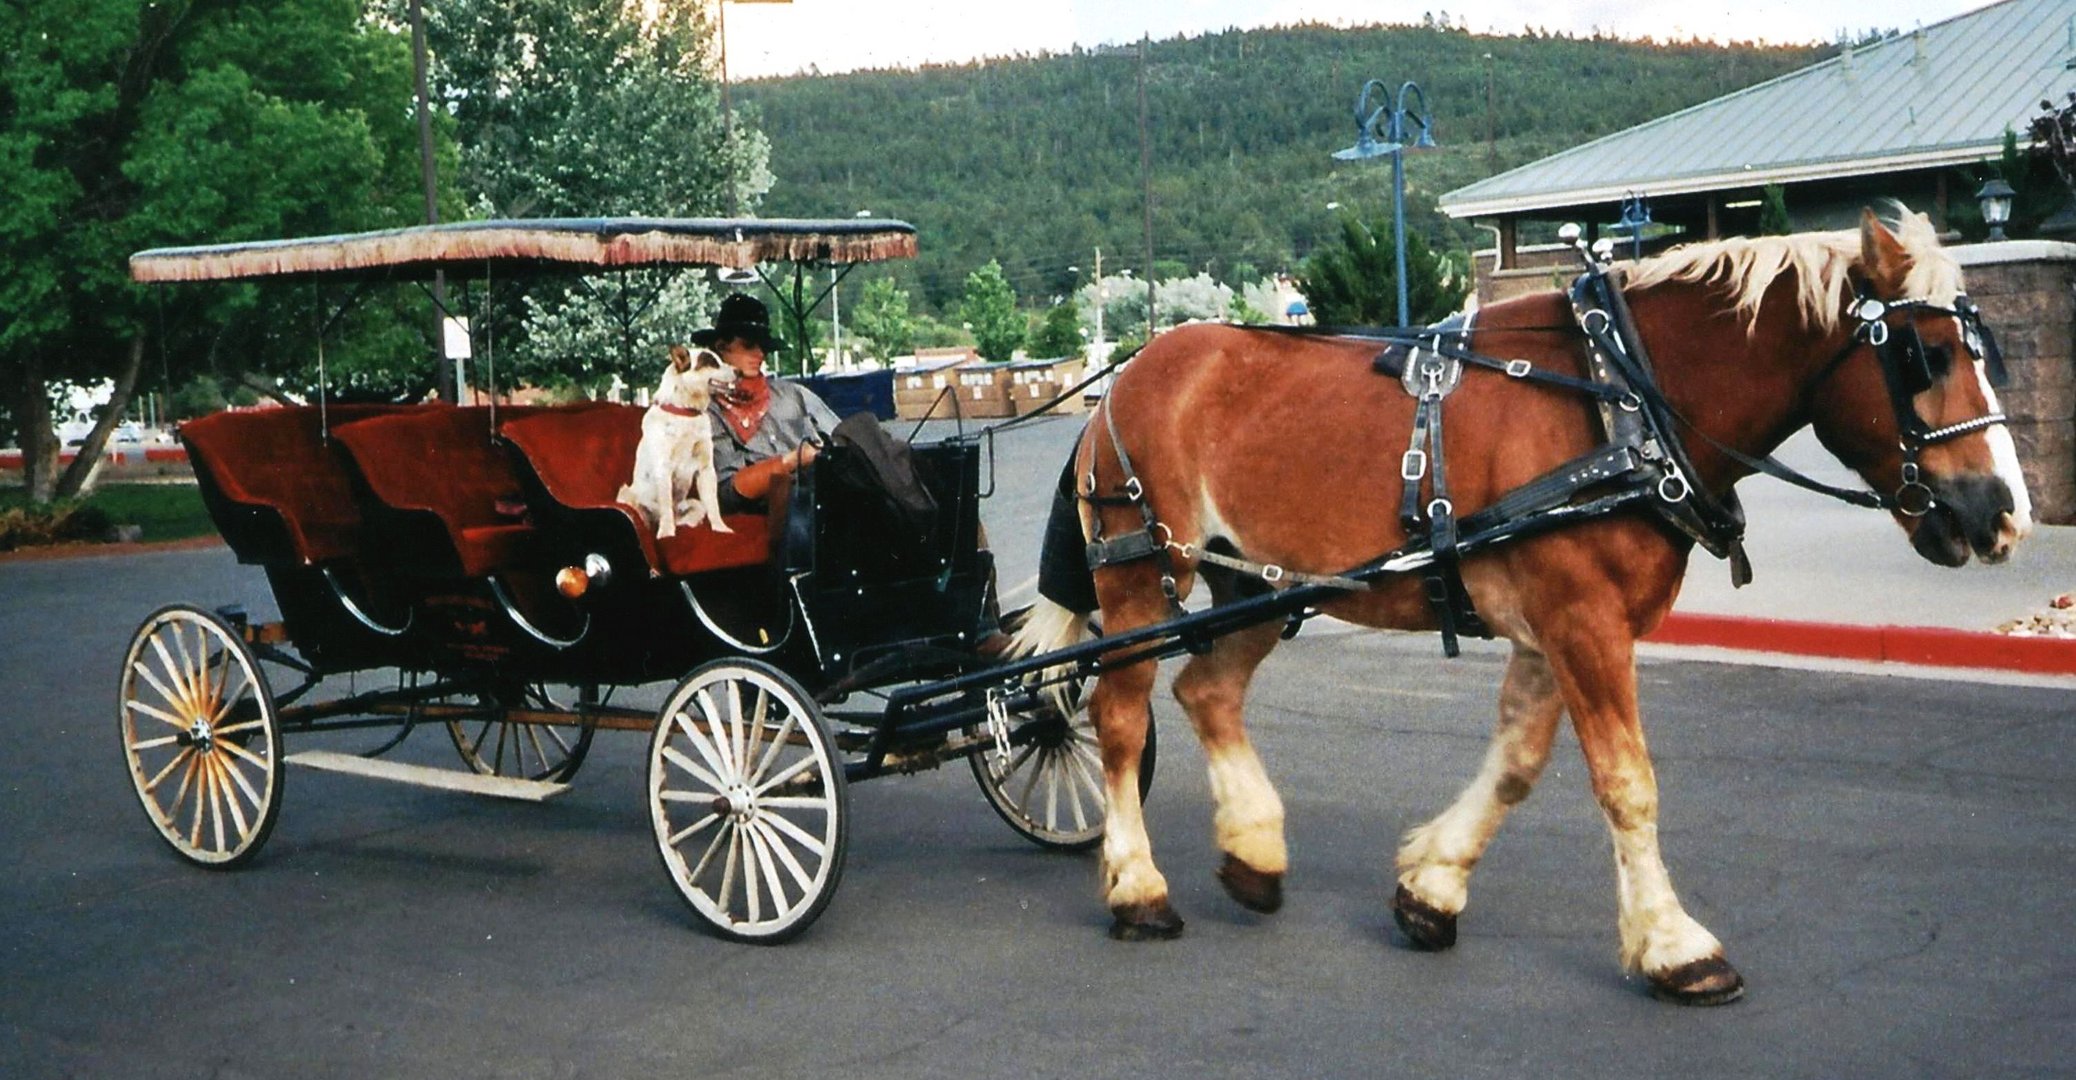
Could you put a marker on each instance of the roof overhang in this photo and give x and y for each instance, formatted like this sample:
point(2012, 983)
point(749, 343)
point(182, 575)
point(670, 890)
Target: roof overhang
point(1789, 173)
point(477, 249)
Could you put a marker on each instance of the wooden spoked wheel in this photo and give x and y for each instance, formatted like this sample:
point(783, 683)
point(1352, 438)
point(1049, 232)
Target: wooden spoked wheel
point(748, 799)
point(200, 734)
point(495, 746)
point(1050, 788)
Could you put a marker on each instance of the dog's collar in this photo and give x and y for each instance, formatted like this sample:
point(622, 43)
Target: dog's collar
point(680, 410)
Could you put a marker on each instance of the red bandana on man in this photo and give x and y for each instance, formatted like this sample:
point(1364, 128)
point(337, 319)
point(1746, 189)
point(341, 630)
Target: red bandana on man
point(743, 405)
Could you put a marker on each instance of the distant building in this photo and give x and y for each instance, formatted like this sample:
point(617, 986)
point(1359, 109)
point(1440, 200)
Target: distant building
point(1890, 120)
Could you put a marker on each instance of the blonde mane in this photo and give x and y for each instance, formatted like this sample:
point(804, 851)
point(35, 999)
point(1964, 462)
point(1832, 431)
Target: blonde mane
point(1821, 262)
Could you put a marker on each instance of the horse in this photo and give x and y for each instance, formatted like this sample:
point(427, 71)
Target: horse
point(1284, 448)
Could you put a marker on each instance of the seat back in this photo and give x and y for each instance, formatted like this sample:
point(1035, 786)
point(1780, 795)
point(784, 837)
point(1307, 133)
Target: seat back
point(275, 482)
point(446, 497)
point(581, 456)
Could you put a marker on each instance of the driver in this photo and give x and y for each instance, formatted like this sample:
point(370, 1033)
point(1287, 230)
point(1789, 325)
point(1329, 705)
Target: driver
point(769, 429)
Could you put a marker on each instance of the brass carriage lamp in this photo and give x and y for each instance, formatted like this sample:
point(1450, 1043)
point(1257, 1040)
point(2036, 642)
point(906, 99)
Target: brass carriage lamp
point(1995, 198)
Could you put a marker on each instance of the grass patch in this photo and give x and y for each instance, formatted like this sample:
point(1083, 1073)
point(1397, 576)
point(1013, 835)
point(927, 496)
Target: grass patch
point(163, 511)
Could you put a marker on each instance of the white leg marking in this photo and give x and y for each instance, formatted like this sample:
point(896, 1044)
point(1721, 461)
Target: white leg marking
point(1435, 859)
point(1129, 876)
point(1249, 819)
point(1658, 935)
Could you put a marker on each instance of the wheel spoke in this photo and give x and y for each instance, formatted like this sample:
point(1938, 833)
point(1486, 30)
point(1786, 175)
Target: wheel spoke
point(1052, 792)
point(753, 889)
point(725, 901)
point(156, 714)
point(771, 753)
point(712, 846)
point(1023, 802)
point(243, 753)
point(237, 776)
point(153, 744)
point(230, 798)
point(1063, 761)
point(700, 742)
point(800, 836)
point(677, 757)
point(738, 739)
point(168, 696)
point(756, 725)
point(717, 733)
point(153, 783)
point(240, 726)
point(788, 773)
point(184, 674)
point(769, 866)
point(691, 830)
point(801, 878)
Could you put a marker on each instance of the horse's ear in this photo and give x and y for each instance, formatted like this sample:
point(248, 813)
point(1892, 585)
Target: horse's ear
point(1882, 256)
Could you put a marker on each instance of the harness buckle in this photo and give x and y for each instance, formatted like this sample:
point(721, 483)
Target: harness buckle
point(1877, 333)
point(1272, 573)
point(1673, 488)
point(1134, 490)
point(1440, 508)
point(1519, 369)
point(1413, 466)
point(1586, 321)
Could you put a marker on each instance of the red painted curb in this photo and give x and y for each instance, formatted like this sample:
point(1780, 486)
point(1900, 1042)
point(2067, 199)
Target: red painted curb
point(1918, 645)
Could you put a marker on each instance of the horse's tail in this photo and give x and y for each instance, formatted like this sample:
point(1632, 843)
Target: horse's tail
point(1066, 589)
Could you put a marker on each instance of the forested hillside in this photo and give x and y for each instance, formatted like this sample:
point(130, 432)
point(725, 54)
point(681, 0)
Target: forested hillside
point(1035, 160)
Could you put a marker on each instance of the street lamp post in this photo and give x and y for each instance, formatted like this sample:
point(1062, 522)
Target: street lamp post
point(1382, 131)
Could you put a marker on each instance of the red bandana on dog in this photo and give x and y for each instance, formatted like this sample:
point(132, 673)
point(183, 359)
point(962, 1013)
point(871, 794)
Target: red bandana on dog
point(744, 404)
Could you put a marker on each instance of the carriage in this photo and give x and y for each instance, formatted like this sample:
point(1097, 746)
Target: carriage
point(1595, 439)
point(467, 567)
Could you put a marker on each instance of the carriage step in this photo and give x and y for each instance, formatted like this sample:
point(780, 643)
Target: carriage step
point(502, 787)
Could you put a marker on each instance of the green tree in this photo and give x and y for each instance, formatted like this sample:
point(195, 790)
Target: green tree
point(883, 319)
point(988, 305)
point(1058, 335)
point(1354, 282)
point(589, 108)
point(127, 124)
point(1773, 212)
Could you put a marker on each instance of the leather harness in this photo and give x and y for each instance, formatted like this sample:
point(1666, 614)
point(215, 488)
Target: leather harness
point(1642, 461)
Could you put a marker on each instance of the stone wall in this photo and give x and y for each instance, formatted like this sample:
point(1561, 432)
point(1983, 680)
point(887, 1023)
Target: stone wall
point(2027, 292)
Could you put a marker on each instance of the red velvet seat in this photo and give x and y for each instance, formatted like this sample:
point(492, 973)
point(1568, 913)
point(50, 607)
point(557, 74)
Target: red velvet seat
point(272, 481)
point(583, 454)
point(440, 469)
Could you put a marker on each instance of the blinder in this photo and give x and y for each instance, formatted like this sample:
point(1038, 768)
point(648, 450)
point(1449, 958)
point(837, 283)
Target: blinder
point(1909, 367)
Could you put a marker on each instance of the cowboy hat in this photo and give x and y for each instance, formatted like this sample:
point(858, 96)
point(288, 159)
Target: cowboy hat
point(742, 318)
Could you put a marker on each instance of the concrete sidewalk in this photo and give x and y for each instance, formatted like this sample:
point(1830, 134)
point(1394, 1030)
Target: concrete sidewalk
point(1838, 580)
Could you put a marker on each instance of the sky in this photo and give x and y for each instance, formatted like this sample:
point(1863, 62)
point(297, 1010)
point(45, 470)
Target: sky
point(783, 38)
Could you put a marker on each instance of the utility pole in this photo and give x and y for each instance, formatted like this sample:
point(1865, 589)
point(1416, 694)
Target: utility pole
point(448, 384)
point(1102, 296)
point(1491, 122)
point(1146, 182)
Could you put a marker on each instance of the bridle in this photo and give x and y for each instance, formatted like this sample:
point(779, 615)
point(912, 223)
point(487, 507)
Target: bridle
point(1909, 367)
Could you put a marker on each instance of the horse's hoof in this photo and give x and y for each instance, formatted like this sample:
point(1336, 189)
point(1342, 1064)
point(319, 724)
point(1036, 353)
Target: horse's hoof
point(1707, 981)
point(1256, 890)
point(1425, 928)
point(1150, 920)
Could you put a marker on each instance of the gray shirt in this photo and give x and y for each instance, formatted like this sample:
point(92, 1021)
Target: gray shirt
point(796, 415)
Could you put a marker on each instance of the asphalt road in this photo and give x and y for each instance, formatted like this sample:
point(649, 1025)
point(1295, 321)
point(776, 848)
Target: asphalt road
point(1888, 860)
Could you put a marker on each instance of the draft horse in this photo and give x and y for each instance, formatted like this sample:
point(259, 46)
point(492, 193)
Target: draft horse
point(1287, 451)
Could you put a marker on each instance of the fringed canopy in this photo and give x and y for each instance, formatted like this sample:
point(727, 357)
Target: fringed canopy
point(476, 249)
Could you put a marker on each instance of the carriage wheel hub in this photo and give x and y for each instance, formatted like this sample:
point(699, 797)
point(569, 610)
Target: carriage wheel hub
point(738, 802)
point(199, 735)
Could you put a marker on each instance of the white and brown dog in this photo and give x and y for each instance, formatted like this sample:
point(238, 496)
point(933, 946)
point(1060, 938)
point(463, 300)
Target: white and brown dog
point(674, 463)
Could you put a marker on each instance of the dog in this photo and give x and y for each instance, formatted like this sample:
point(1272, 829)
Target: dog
point(674, 478)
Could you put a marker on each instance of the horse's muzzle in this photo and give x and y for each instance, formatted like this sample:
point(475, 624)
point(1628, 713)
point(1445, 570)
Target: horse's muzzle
point(1973, 515)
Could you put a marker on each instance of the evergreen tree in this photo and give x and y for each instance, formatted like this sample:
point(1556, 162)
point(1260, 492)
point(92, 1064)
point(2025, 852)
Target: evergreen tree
point(882, 318)
point(1773, 213)
point(1355, 283)
point(1058, 335)
point(988, 306)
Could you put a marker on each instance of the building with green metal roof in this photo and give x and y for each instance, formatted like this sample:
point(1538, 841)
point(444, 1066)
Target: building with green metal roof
point(1889, 120)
